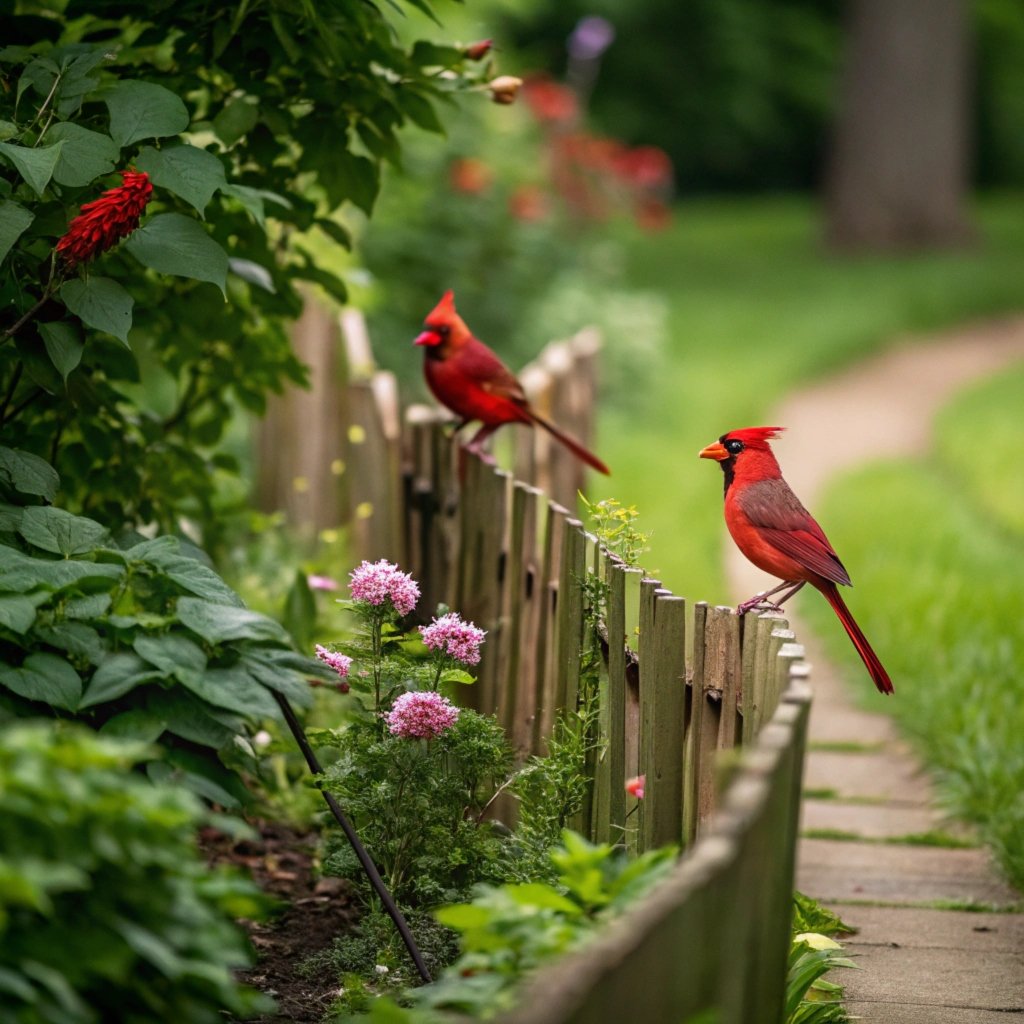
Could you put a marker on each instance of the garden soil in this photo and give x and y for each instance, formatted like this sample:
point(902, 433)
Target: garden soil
point(921, 964)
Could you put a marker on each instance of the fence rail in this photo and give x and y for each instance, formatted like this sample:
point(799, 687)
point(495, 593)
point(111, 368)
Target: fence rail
point(520, 565)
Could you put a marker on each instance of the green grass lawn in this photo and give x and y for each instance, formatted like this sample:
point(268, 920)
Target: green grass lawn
point(940, 544)
point(755, 308)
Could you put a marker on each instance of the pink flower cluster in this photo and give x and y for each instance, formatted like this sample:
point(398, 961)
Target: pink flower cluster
point(421, 715)
point(461, 640)
point(339, 662)
point(377, 582)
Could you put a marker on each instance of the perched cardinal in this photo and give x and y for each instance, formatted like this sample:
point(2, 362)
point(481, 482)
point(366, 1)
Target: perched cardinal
point(468, 378)
point(779, 535)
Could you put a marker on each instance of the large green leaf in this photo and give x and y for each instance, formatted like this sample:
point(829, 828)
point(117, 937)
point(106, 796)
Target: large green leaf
point(172, 243)
point(236, 690)
point(101, 303)
point(26, 473)
point(137, 724)
point(187, 171)
point(188, 573)
point(74, 637)
point(53, 529)
point(174, 655)
point(13, 221)
point(217, 623)
point(116, 676)
point(36, 166)
point(63, 345)
point(347, 175)
point(142, 110)
point(20, 573)
point(85, 155)
point(188, 717)
point(44, 677)
point(17, 613)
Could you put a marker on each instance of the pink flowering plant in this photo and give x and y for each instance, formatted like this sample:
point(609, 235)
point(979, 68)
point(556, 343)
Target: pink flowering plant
point(416, 772)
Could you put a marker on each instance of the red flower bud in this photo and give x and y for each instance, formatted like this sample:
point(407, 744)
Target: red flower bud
point(477, 51)
point(102, 223)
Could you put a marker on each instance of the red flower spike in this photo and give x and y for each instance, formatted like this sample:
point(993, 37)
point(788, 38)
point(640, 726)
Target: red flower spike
point(101, 224)
point(477, 51)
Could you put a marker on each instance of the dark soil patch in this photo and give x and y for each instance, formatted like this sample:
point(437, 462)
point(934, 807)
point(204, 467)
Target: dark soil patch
point(314, 912)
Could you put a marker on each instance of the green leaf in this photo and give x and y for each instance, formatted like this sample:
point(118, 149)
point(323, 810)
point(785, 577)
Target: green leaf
point(44, 677)
point(174, 655)
point(85, 155)
point(101, 303)
point(216, 623)
point(74, 637)
point(63, 345)
point(252, 199)
point(457, 675)
point(187, 717)
point(136, 724)
point(10, 517)
point(236, 119)
point(142, 110)
point(36, 166)
point(8, 129)
point(187, 171)
point(116, 676)
point(188, 573)
point(13, 221)
point(20, 573)
point(172, 243)
point(346, 175)
point(420, 111)
point(53, 529)
point(300, 612)
point(273, 675)
point(254, 273)
point(17, 613)
point(537, 894)
point(236, 690)
point(26, 473)
point(91, 607)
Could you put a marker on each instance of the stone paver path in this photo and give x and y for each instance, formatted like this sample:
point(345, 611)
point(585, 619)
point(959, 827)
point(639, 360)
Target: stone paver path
point(921, 964)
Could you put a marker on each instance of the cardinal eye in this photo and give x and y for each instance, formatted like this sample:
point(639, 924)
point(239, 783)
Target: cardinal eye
point(734, 447)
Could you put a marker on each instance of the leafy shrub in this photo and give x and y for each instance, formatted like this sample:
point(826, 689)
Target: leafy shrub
point(507, 931)
point(107, 912)
point(140, 639)
point(234, 116)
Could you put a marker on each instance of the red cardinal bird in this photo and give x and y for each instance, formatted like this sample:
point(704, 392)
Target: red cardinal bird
point(468, 378)
point(779, 535)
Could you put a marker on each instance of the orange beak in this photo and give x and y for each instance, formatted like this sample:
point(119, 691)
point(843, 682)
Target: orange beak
point(715, 451)
point(428, 338)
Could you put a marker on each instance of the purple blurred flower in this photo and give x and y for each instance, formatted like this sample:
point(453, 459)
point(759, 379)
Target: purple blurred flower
point(461, 640)
point(591, 37)
point(322, 583)
point(421, 715)
point(377, 582)
point(339, 662)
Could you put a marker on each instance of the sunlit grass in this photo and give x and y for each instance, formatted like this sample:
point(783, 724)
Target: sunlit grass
point(756, 308)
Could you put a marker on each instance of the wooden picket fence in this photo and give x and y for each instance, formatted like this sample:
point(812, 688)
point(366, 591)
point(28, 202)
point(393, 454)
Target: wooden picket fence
point(717, 732)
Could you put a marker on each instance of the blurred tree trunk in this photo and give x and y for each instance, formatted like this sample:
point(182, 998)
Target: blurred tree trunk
point(899, 168)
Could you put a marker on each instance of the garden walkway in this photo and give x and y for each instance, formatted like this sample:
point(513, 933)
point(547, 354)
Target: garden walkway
point(922, 964)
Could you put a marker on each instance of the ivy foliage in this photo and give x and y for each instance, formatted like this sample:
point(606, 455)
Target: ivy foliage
point(256, 124)
point(137, 638)
point(107, 911)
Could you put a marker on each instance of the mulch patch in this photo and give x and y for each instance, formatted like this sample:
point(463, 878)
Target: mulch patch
point(314, 912)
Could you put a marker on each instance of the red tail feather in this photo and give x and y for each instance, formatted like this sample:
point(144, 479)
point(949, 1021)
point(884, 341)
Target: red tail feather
point(874, 666)
point(571, 443)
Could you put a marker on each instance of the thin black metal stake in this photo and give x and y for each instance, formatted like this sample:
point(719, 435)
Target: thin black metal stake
point(361, 852)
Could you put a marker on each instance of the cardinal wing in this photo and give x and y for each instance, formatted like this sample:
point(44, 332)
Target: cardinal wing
point(780, 518)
